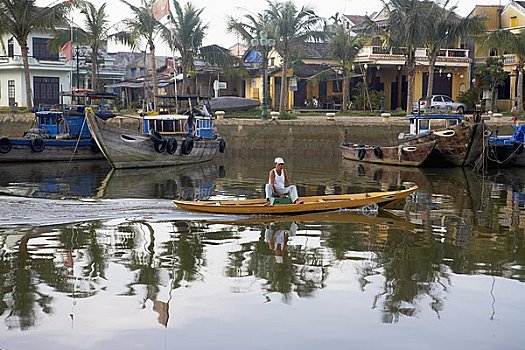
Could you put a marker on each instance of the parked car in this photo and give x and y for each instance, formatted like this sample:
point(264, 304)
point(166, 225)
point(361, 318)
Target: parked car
point(439, 103)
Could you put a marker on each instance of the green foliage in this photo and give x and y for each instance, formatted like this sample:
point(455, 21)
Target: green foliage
point(491, 73)
point(366, 98)
point(471, 97)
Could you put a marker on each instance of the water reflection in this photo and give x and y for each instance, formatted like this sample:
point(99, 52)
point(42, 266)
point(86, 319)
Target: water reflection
point(454, 248)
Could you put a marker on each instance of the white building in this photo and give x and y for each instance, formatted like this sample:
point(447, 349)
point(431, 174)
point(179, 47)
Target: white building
point(48, 73)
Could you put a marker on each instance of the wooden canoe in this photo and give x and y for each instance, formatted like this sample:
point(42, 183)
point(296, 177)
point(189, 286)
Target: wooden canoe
point(309, 205)
point(406, 155)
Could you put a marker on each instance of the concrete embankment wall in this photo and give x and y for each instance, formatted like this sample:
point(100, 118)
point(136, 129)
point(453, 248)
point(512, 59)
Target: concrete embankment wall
point(315, 136)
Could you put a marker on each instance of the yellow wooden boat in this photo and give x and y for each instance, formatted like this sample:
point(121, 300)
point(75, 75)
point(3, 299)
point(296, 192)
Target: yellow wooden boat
point(309, 205)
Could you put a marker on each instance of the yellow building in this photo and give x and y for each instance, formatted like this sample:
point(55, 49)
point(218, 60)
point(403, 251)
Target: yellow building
point(509, 17)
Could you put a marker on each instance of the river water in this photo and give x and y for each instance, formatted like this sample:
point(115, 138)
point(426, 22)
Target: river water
point(92, 258)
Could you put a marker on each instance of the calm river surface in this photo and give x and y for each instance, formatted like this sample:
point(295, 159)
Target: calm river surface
point(92, 258)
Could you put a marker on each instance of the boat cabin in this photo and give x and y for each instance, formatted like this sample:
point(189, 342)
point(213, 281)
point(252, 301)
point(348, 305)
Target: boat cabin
point(55, 123)
point(179, 124)
point(425, 123)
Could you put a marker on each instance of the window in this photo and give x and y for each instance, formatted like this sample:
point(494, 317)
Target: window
point(46, 90)
point(11, 92)
point(514, 21)
point(11, 48)
point(337, 85)
point(41, 51)
point(133, 72)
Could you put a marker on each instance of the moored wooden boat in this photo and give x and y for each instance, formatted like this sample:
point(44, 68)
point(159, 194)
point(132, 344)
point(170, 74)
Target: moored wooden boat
point(56, 137)
point(406, 155)
point(459, 142)
point(168, 140)
point(309, 205)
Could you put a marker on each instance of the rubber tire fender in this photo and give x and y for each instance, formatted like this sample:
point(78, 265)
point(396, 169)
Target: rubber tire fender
point(171, 146)
point(222, 145)
point(5, 145)
point(154, 135)
point(37, 144)
point(160, 146)
point(187, 146)
point(378, 152)
point(361, 154)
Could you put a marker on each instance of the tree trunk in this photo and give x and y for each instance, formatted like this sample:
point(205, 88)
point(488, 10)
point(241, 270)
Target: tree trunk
point(284, 74)
point(154, 72)
point(345, 89)
point(27, 78)
point(431, 64)
point(411, 80)
point(94, 69)
point(519, 97)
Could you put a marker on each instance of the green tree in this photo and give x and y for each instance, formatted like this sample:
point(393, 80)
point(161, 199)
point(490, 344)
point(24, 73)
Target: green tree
point(345, 48)
point(507, 42)
point(491, 76)
point(291, 27)
point(444, 30)
point(22, 17)
point(185, 33)
point(96, 31)
point(143, 27)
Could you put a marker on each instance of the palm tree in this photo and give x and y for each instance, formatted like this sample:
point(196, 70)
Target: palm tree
point(406, 26)
point(444, 30)
point(507, 42)
point(253, 27)
point(20, 19)
point(143, 27)
point(345, 48)
point(185, 33)
point(291, 27)
point(96, 31)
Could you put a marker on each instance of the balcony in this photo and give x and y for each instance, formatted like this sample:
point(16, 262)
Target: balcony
point(378, 53)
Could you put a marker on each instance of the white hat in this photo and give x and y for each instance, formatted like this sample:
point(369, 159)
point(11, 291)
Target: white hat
point(279, 160)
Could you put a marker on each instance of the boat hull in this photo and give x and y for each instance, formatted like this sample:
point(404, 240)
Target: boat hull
point(52, 150)
point(458, 145)
point(125, 148)
point(310, 205)
point(506, 155)
point(411, 155)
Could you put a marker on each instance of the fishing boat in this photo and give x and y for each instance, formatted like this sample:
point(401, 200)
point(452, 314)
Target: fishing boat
point(459, 141)
point(166, 140)
point(308, 205)
point(57, 136)
point(507, 150)
point(405, 155)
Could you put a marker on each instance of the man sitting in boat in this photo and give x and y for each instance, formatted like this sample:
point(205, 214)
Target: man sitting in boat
point(279, 184)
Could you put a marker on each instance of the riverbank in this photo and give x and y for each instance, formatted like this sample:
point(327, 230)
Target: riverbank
point(308, 132)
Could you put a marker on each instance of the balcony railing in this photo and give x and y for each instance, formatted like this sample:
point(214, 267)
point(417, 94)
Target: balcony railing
point(420, 52)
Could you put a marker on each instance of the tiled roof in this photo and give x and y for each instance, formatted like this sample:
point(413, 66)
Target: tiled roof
point(316, 51)
point(355, 19)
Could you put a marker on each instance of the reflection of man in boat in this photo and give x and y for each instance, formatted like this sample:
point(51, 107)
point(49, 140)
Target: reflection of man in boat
point(277, 239)
point(279, 183)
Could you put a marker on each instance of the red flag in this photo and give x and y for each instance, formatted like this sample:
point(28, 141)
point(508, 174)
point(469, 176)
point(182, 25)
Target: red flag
point(161, 8)
point(67, 50)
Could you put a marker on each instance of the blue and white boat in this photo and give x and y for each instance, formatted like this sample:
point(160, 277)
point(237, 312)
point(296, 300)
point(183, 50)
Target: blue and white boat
point(507, 150)
point(57, 136)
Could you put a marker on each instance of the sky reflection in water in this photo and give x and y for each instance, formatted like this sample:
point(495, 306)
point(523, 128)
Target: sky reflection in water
point(446, 269)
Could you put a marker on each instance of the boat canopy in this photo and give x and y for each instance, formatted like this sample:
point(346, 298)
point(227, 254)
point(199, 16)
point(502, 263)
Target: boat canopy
point(423, 123)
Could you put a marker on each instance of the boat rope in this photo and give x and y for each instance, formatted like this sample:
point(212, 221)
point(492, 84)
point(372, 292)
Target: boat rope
point(74, 151)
